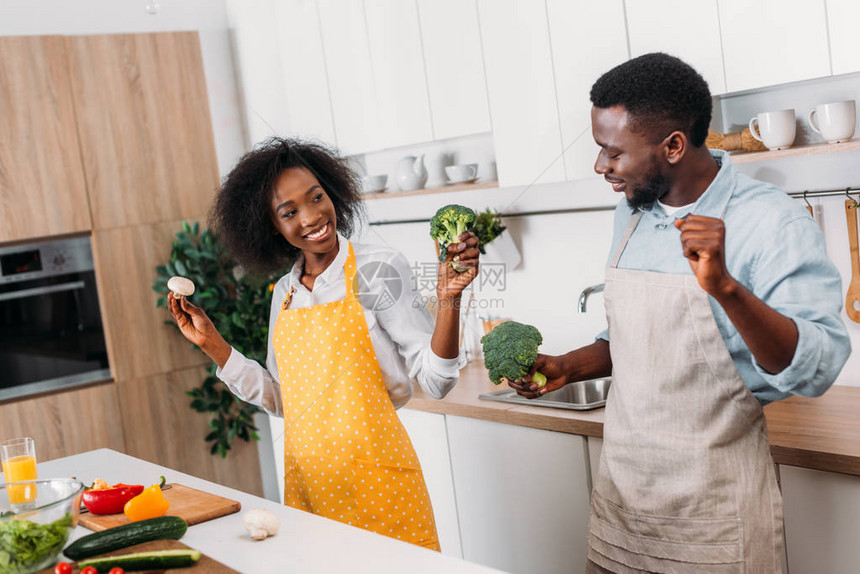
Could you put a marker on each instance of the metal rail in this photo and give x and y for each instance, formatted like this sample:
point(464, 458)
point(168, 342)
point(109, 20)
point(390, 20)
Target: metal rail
point(808, 193)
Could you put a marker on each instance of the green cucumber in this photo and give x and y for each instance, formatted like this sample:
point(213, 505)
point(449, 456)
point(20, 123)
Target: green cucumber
point(158, 560)
point(161, 528)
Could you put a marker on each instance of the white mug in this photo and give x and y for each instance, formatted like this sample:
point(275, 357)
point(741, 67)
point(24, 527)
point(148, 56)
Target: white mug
point(461, 172)
point(835, 122)
point(776, 130)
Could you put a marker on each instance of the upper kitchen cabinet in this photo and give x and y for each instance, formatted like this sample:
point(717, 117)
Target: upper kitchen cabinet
point(587, 38)
point(350, 75)
point(144, 126)
point(307, 105)
point(521, 90)
point(42, 183)
point(455, 67)
point(687, 29)
point(771, 42)
point(259, 47)
point(842, 18)
point(399, 79)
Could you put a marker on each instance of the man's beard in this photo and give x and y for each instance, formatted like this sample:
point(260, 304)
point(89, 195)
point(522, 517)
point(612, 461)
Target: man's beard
point(655, 187)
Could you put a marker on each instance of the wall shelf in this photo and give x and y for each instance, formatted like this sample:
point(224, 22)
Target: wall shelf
point(443, 189)
point(802, 150)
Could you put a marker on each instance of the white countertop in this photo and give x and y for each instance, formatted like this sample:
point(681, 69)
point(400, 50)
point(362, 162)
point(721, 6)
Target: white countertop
point(305, 542)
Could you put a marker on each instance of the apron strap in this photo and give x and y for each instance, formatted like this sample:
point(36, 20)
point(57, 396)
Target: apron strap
point(631, 227)
point(349, 272)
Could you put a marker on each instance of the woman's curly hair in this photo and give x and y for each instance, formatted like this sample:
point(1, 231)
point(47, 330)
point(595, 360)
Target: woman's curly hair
point(241, 215)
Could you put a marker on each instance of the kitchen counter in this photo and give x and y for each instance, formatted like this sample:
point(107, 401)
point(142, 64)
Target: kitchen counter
point(821, 434)
point(305, 542)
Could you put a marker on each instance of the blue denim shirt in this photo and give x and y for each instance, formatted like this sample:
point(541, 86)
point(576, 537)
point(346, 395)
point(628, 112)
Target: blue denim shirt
point(776, 250)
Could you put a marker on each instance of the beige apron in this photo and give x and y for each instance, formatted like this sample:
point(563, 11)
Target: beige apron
point(687, 483)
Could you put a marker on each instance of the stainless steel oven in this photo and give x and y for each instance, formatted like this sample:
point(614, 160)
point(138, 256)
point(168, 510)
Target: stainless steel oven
point(51, 333)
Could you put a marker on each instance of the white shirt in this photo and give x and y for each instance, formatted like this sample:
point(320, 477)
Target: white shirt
point(400, 329)
point(671, 210)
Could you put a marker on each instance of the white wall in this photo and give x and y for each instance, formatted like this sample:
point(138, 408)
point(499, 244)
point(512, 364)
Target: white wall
point(208, 17)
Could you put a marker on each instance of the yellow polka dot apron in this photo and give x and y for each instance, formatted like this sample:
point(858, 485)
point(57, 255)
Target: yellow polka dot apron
point(346, 455)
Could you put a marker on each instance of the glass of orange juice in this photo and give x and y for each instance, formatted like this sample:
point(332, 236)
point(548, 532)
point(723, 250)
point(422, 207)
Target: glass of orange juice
point(18, 458)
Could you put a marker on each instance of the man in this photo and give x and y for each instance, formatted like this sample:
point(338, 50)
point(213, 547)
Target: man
point(719, 298)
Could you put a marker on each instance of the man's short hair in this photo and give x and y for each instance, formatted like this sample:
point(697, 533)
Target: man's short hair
point(661, 93)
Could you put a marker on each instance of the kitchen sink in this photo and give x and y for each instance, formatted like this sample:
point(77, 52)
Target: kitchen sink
point(578, 396)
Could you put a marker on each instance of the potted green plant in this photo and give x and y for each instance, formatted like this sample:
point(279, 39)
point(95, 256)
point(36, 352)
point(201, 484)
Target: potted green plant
point(497, 246)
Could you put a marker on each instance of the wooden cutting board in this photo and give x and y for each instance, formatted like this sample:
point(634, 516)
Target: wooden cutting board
point(190, 504)
point(205, 565)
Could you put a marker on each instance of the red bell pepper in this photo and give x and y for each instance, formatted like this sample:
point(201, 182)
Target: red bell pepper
point(110, 500)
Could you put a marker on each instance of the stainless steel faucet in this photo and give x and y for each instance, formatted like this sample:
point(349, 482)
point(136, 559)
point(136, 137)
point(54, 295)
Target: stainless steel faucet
point(588, 291)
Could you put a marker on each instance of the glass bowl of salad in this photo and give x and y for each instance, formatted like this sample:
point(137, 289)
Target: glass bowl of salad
point(36, 518)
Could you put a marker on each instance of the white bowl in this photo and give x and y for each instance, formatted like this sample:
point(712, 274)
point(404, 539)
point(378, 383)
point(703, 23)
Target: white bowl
point(373, 183)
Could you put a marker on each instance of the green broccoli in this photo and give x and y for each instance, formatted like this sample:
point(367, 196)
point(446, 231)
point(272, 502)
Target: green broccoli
point(447, 225)
point(510, 350)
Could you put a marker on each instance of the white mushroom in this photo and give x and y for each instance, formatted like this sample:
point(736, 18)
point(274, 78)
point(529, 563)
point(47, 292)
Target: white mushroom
point(260, 523)
point(181, 286)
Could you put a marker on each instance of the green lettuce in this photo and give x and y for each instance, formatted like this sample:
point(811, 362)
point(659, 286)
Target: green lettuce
point(24, 544)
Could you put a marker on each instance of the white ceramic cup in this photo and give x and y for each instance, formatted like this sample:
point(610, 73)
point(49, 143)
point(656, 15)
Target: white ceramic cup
point(461, 172)
point(835, 122)
point(776, 130)
point(371, 183)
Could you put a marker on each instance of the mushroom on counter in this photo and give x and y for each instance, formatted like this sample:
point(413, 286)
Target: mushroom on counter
point(260, 523)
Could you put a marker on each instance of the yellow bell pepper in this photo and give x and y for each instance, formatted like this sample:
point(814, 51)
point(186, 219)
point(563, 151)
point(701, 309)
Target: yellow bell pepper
point(148, 504)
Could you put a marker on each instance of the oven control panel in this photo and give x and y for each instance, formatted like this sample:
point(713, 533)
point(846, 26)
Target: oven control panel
point(45, 259)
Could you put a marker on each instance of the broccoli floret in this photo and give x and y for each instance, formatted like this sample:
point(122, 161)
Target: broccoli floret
point(510, 350)
point(447, 225)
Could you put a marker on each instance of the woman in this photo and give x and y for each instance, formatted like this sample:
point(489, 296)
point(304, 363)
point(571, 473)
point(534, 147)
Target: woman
point(337, 365)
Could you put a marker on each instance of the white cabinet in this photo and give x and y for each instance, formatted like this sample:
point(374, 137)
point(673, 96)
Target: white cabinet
point(688, 29)
point(595, 450)
point(587, 39)
point(522, 496)
point(822, 519)
point(842, 19)
point(769, 42)
point(399, 81)
point(350, 75)
point(455, 67)
point(256, 37)
point(430, 439)
point(521, 90)
point(307, 103)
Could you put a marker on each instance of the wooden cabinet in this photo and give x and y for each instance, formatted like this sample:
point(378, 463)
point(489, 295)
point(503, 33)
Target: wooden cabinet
point(588, 39)
point(139, 343)
point(307, 104)
point(160, 427)
point(822, 518)
point(522, 496)
point(687, 29)
point(42, 189)
point(430, 438)
point(144, 126)
point(350, 75)
point(399, 79)
point(521, 91)
point(773, 42)
point(454, 63)
point(67, 423)
point(842, 18)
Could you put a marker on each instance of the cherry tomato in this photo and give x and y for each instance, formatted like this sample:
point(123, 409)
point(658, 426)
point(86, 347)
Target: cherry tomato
point(63, 568)
point(116, 570)
point(89, 570)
